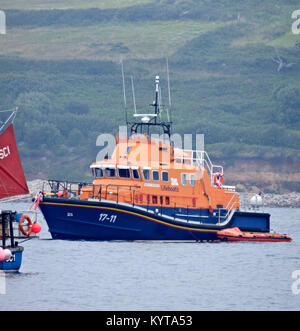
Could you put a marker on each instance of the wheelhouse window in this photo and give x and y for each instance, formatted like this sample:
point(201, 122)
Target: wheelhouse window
point(146, 174)
point(124, 173)
point(165, 176)
point(183, 179)
point(135, 174)
point(98, 172)
point(192, 180)
point(110, 172)
point(155, 175)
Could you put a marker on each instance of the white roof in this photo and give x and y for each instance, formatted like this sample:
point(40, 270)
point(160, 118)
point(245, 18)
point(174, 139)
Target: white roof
point(102, 166)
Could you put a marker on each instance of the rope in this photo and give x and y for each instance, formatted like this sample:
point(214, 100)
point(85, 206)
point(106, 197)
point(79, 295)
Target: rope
point(36, 202)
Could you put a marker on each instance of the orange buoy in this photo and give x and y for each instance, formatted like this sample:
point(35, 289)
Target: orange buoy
point(29, 225)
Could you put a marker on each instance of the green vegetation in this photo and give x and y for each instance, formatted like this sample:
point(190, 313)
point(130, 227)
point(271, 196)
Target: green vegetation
point(103, 41)
point(235, 69)
point(67, 4)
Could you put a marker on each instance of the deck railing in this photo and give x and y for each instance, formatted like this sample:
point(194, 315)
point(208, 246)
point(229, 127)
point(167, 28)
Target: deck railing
point(198, 158)
point(111, 192)
point(225, 214)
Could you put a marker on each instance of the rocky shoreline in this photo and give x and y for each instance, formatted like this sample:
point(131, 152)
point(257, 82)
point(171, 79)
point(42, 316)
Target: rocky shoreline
point(286, 200)
point(291, 200)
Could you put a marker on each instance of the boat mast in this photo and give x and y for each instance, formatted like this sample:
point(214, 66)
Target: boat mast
point(133, 95)
point(169, 90)
point(156, 97)
point(148, 121)
point(124, 92)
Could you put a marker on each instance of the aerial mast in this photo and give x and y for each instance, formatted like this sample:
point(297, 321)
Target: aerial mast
point(156, 96)
point(124, 92)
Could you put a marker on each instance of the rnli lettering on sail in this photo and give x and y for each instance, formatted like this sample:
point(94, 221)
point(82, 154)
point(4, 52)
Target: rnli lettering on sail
point(4, 152)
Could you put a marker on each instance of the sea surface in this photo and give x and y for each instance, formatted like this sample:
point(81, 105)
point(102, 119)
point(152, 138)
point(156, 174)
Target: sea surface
point(114, 276)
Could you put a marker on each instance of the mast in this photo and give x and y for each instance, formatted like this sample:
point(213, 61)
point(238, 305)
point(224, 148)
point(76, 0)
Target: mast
point(169, 89)
point(151, 120)
point(124, 91)
point(133, 95)
point(168, 76)
point(156, 96)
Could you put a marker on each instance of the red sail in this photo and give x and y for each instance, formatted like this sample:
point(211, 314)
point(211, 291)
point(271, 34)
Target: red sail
point(12, 179)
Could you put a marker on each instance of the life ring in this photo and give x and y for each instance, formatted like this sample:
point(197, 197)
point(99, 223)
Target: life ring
point(28, 232)
point(218, 179)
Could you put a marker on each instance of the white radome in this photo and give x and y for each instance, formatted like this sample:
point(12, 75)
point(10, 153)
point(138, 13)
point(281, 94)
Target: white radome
point(256, 200)
point(145, 119)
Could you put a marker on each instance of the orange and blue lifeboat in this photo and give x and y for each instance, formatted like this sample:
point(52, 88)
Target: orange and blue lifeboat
point(149, 190)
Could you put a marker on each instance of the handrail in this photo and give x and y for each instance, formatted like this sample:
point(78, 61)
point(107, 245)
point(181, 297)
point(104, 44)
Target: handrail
point(117, 186)
point(232, 202)
point(199, 158)
point(66, 186)
point(231, 207)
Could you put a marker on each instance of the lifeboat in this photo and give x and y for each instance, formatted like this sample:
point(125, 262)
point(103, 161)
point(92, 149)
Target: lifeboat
point(149, 188)
point(235, 234)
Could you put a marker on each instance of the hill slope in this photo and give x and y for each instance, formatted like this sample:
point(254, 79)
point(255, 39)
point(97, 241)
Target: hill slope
point(234, 76)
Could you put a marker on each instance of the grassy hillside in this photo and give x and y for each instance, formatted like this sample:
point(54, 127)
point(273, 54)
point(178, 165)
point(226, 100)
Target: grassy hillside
point(104, 41)
point(68, 4)
point(235, 69)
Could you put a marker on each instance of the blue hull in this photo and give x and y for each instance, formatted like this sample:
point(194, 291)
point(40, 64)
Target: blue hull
point(14, 263)
point(98, 220)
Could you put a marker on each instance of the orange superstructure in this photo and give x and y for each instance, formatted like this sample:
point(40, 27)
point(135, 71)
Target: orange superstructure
point(152, 172)
point(147, 170)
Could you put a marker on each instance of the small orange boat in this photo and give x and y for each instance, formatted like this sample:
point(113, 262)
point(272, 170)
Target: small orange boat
point(235, 234)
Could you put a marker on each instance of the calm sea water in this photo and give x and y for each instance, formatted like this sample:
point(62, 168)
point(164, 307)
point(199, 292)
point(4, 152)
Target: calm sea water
point(78, 275)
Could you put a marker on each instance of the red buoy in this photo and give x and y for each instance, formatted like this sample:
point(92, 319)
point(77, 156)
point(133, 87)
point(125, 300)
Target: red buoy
point(36, 227)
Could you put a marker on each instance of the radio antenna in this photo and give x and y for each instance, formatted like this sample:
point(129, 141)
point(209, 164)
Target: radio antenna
point(123, 79)
point(159, 102)
point(133, 95)
point(169, 91)
point(168, 76)
point(124, 91)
